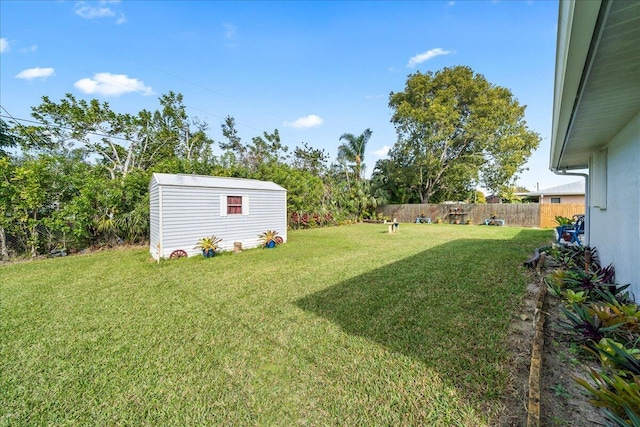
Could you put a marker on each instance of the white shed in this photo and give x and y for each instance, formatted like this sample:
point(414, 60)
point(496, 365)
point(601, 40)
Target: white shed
point(186, 208)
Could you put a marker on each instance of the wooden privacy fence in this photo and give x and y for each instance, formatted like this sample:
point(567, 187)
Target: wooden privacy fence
point(522, 215)
point(548, 212)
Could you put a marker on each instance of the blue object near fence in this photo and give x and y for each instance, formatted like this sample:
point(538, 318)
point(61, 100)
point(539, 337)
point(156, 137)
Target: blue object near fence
point(574, 230)
point(491, 221)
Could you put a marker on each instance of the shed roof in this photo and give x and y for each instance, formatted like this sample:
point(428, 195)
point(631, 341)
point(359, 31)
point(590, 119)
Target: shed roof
point(187, 180)
point(574, 188)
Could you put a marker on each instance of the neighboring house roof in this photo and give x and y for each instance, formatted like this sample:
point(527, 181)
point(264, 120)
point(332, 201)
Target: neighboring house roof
point(572, 189)
point(597, 79)
point(185, 180)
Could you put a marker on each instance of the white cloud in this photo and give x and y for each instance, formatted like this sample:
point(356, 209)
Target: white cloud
point(4, 45)
point(306, 122)
point(230, 31)
point(382, 152)
point(35, 73)
point(29, 49)
point(425, 56)
point(108, 84)
point(91, 10)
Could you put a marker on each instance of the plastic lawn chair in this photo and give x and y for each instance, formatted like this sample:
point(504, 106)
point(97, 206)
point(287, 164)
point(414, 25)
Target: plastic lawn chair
point(576, 231)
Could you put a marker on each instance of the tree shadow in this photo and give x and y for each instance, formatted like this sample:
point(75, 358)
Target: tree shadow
point(448, 307)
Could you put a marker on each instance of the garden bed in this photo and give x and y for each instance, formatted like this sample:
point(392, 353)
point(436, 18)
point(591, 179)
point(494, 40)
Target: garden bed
point(558, 399)
point(564, 402)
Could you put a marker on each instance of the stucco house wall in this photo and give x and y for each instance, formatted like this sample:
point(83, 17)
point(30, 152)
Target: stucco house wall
point(596, 124)
point(615, 231)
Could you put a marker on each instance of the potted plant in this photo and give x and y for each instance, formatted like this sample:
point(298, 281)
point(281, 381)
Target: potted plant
point(563, 220)
point(438, 220)
point(564, 223)
point(208, 246)
point(269, 239)
point(469, 221)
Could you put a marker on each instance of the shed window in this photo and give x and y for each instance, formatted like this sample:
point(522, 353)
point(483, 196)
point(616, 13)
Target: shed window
point(555, 200)
point(234, 205)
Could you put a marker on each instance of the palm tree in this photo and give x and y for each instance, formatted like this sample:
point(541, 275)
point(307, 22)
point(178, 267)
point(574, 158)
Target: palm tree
point(352, 151)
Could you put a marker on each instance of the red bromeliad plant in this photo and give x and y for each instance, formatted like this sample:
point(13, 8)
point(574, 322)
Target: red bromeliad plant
point(295, 220)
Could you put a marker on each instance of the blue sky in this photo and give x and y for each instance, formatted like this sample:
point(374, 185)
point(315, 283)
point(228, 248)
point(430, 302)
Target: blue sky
point(313, 70)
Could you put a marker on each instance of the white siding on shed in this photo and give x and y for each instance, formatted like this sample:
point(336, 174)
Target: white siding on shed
point(190, 207)
point(154, 217)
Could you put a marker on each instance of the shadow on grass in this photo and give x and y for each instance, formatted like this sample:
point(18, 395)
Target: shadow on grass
point(448, 307)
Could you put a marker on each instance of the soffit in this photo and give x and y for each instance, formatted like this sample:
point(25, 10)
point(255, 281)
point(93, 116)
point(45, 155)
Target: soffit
point(611, 91)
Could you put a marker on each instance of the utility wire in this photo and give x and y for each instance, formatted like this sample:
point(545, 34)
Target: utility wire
point(200, 86)
point(9, 115)
point(18, 120)
point(208, 90)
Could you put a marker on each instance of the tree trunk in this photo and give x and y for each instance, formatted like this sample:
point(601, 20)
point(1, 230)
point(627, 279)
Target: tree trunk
point(4, 253)
point(425, 193)
point(34, 252)
point(34, 236)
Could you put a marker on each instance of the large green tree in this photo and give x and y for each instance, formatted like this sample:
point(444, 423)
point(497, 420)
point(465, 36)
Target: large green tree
point(91, 126)
point(454, 128)
point(168, 134)
point(351, 152)
point(121, 142)
point(7, 139)
point(310, 159)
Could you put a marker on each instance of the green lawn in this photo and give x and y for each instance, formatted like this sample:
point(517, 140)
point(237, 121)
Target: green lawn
point(341, 326)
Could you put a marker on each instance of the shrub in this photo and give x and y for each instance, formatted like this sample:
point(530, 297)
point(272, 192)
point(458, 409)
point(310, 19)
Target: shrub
point(270, 239)
point(617, 395)
point(604, 318)
point(586, 323)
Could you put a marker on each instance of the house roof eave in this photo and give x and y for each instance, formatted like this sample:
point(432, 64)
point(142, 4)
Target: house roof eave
point(576, 25)
point(597, 78)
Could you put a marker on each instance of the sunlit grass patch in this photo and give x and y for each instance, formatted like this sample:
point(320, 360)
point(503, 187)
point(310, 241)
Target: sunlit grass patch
point(340, 326)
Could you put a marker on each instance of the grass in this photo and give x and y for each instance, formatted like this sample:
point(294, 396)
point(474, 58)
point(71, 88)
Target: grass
point(340, 326)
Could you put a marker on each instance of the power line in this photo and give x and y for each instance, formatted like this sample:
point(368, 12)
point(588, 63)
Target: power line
point(18, 123)
point(209, 90)
point(49, 125)
point(119, 83)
